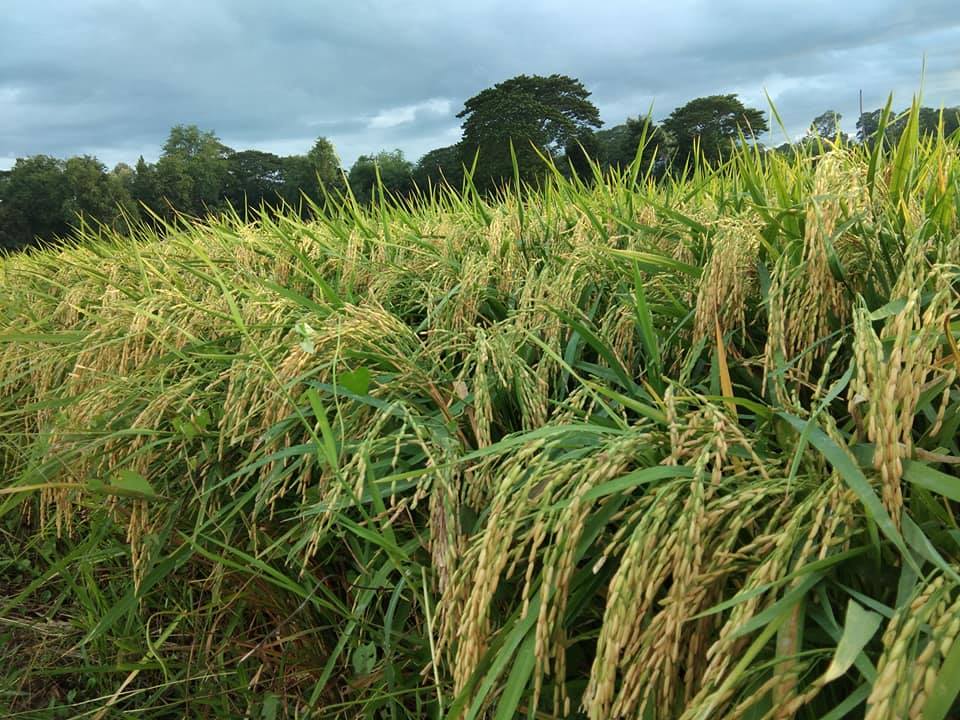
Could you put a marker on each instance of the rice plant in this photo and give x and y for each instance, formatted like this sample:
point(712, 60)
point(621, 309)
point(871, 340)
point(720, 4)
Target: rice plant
point(623, 449)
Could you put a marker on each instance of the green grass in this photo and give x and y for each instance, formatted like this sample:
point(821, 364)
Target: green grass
point(685, 450)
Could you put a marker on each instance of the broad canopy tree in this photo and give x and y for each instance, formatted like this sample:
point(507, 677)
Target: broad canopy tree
point(94, 195)
point(34, 194)
point(534, 113)
point(657, 146)
point(617, 147)
point(439, 167)
point(315, 175)
point(580, 153)
point(396, 174)
point(193, 170)
point(929, 121)
point(256, 179)
point(826, 126)
point(711, 126)
point(42, 198)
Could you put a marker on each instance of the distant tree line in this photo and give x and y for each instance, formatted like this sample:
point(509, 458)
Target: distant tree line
point(508, 131)
point(42, 198)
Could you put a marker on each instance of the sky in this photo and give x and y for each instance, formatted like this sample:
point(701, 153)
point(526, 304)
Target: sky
point(111, 77)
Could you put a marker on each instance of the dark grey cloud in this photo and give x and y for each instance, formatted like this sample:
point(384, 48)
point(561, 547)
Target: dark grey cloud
point(110, 77)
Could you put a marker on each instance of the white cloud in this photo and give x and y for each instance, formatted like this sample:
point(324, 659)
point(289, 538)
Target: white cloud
point(392, 117)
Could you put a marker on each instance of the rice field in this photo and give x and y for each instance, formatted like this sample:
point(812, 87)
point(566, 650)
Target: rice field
point(618, 449)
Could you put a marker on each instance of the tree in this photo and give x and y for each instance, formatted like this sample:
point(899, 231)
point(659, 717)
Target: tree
point(43, 198)
point(192, 172)
point(826, 126)
point(580, 153)
point(255, 179)
point(312, 174)
point(144, 189)
point(712, 125)
point(928, 119)
point(658, 146)
point(32, 203)
point(438, 167)
point(612, 144)
point(396, 174)
point(96, 196)
point(534, 113)
point(91, 197)
point(867, 125)
point(120, 182)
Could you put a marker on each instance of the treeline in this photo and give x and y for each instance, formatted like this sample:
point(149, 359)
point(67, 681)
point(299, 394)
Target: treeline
point(42, 197)
point(508, 130)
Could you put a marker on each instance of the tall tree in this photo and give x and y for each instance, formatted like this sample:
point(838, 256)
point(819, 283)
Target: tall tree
point(658, 146)
point(826, 126)
point(438, 167)
point(92, 198)
point(929, 121)
point(867, 125)
point(32, 204)
point(145, 189)
point(612, 144)
point(192, 172)
point(120, 183)
point(255, 179)
point(534, 113)
point(396, 174)
point(314, 174)
point(713, 125)
point(580, 153)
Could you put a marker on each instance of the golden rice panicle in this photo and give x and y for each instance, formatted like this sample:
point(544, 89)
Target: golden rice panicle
point(797, 531)
point(558, 563)
point(889, 384)
point(805, 297)
point(502, 540)
point(728, 280)
point(945, 624)
point(650, 654)
point(916, 640)
point(446, 538)
point(643, 567)
point(619, 324)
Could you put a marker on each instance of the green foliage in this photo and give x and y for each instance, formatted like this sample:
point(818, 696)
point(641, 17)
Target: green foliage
point(580, 153)
point(613, 143)
point(143, 188)
point(929, 121)
point(256, 179)
point(97, 196)
point(316, 176)
point(826, 126)
point(43, 198)
point(33, 199)
point(395, 175)
point(668, 450)
point(710, 128)
point(653, 143)
point(192, 171)
point(538, 115)
point(443, 166)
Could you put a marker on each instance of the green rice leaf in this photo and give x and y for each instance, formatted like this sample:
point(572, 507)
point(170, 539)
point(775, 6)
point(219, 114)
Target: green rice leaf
point(947, 686)
point(859, 626)
point(130, 483)
point(854, 477)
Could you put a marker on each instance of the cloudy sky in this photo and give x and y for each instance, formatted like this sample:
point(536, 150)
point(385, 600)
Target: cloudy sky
point(110, 77)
